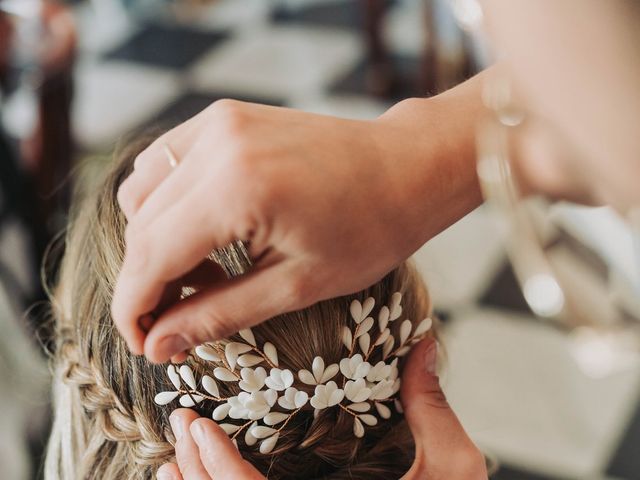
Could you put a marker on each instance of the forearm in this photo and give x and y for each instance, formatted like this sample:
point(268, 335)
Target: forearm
point(432, 154)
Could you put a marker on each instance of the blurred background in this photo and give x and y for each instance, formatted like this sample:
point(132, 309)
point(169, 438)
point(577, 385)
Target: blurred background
point(75, 77)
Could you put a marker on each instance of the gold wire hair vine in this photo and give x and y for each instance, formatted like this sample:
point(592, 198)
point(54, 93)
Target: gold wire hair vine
point(271, 396)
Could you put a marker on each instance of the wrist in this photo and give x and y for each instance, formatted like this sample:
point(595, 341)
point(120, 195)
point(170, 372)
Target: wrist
point(428, 146)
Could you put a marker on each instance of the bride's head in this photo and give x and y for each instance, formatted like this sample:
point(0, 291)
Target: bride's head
point(112, 408)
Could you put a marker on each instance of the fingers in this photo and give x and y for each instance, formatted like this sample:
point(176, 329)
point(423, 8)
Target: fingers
point(170, 247)
point(169, 471)
point(187, 453)
point(222, 310)
point(219, 455)
point(204, 451)
point(443, 449)
point(152, 166)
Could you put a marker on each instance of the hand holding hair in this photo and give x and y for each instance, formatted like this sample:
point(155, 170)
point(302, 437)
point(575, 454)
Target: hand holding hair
point(443, 449)
point(327, 206)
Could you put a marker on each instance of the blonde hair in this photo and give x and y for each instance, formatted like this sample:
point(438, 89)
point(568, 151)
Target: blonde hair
point(106, 424)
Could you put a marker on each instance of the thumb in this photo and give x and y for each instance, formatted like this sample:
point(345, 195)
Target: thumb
point(219, 455)
point(443, 449)
point(222, 310)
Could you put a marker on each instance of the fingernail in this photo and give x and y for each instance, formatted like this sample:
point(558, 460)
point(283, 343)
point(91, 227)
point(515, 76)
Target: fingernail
point(197, 432)
point(170, 346)
point(431, 358)
point(177, 426)
point(146, 322)
point(164, 475)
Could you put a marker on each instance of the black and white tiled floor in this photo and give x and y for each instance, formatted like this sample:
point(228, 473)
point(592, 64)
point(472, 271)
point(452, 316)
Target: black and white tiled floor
point(510, 377)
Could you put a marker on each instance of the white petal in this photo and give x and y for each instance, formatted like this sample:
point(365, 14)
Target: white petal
point(358, 428)
point(165, 397)
point(210, 385)
point(271, 396)
point(318, 402)
point(405, 331)
point(362, 395)
point(260, 374)
point(174, 376)
point(383, 410)
point(241, 347)
point(189, 401)
point(383, 318)
point(360, 407)
point(231, 354)
point(368, 419)
point(249, 360)
point(383, 336)
point(274, 418)
point(224, 374)
point(347, 337)
point(221, 412)
point(306, 376)
point(403, 351)
point(352, 388)
point(274, 384)
point(356, 311)
point(287, 378)
point(423, 327)
point(247, 336)
point(330, 372)
point(365, 326)
point(395, 309)
point(271, 353)
point(300, 399)
point(187, 375)
point(207, 353)
point(361, 370)
point(260, 431)
point(267, 445)
point(286, 403)
point(345, 367)
point(249, 439)
point(365, 341)
point(387, 347)
point(367, 306)
point(335, 397)
point(318, 368)
point(229, 428)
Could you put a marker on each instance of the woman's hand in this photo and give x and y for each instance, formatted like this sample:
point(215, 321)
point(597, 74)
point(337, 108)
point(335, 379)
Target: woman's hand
point(328, 205)
point(204, 452)
point(443, 449)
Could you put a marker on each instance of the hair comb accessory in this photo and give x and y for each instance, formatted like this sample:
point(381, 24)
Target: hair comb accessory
point(271, 396)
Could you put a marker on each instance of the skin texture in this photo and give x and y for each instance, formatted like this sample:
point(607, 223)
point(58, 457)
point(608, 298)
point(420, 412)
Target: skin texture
point(443, 449)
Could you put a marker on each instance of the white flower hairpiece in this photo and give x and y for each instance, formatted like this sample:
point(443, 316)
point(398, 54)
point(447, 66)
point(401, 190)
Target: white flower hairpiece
point(270, 397)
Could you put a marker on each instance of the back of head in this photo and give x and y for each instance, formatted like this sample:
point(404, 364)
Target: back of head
point(107, 423)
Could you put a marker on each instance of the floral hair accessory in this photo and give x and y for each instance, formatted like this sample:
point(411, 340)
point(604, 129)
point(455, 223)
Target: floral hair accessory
point(271, 396)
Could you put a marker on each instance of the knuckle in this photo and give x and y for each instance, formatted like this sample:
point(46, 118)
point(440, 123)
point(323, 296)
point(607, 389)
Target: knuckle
point(298, 291)
point(126, 195)
point(232, 115)
point(214, 326)
point(141, 160)
point(430, 396)
point(469, 463)
point(138, 247)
